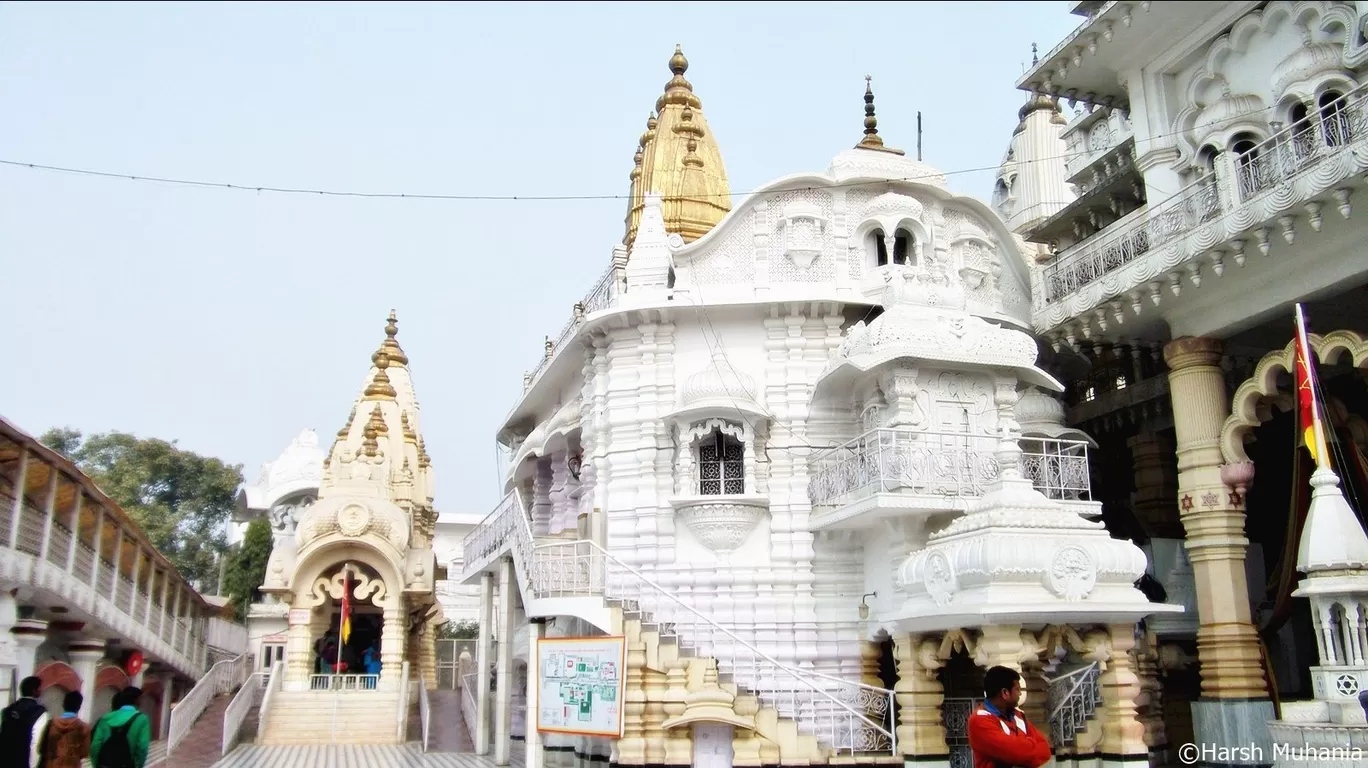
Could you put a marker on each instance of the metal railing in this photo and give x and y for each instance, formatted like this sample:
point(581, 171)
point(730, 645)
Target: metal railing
point(1280, 158)
point(343, 682)
point(223, 677)
point(846, 715)
point(469, 707)
point(424, 709)
point(248, 697)
point(1071, 700)
point(941, 464)
point(274, 683)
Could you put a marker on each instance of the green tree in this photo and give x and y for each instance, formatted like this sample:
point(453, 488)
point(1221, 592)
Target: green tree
point(180, 499)
point(465, 629)
point(246, 569)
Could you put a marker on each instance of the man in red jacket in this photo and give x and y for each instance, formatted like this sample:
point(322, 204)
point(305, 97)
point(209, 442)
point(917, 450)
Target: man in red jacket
point(999, 735)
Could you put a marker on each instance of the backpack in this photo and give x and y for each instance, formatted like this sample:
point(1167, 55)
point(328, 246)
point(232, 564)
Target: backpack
point(117, 751)
point(16, 730)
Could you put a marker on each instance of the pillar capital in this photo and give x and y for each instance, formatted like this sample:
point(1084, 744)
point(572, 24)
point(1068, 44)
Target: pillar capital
point(86, 650)
point(30, 633)
point(1192, 351)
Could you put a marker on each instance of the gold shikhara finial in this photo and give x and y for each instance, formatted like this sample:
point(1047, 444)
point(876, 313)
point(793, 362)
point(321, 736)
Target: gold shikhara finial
point(871, 139)
point(380, 387)
point(390, 346)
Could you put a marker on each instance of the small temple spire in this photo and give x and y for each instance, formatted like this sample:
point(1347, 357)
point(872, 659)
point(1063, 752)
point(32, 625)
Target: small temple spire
point(871, 139)
point(1035, 57)
point(390, 346)
point(381, 388)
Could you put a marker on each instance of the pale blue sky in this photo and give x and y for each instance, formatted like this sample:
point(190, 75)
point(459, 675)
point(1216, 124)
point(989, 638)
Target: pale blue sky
point(230, 320)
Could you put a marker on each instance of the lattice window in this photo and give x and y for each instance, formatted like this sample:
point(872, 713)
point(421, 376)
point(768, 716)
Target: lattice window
point(721, 465)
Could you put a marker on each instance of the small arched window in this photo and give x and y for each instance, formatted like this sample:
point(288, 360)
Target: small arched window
point(903, 245)
point(721, 465)
point(1334, 121)
point(879, 247)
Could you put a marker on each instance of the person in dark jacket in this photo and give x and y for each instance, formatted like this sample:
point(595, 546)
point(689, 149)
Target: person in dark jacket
point(21, 726)
point(125, 731)
point(67, 739)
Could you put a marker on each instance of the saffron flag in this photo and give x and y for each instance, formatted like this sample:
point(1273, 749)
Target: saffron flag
point(345, 624)
point(1308, 410)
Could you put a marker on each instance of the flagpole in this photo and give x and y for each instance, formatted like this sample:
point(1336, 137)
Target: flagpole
point(346, 611)
point(1318, 429)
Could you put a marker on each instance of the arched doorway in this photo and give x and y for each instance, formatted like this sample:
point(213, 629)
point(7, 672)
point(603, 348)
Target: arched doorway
point(1263, 447)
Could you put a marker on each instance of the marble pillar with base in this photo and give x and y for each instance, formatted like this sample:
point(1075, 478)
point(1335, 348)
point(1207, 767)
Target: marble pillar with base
point(1234, 709)
point(85, 658)
point(535, 757)
point(503, 695)
point(28, 634)
point(482, 738)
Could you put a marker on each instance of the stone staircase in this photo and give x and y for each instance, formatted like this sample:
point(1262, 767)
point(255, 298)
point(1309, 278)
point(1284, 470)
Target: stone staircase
point(331, 717)
point(696, 668)
point(202, 747)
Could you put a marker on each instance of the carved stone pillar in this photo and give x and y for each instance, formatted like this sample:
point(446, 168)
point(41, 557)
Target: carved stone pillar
point(1234, 708)
point(678, 746)
point(482, 738)
point(1156, 485)
point(1150, 703)
point(653, 717)
point(920, 698)
point(392, 640)
point(503, 695)
point(563, 513)
point(542, 508)
point(1123, 735)
point(900, 393)
point(631, 748)
point(299, 657)
point(1033, 687)
point(85, 655)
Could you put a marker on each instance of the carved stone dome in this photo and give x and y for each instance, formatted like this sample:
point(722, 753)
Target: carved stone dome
point(719, 381)
point(302, 462)
point(1041, 415)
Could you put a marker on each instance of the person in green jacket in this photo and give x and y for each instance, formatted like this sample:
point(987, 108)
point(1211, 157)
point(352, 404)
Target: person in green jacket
point(124, 720)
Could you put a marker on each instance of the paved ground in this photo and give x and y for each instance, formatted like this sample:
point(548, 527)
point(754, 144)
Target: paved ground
point(331, 756)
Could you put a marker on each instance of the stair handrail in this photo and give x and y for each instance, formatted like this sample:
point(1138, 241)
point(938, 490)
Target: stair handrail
point(274, 682)
point(223, 677)
point(1073, 709)
point(236, 713)
point(469, 707)
point(424, 708)
point(524, 550)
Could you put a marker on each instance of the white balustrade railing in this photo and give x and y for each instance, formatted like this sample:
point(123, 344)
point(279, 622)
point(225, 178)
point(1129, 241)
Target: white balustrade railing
point(273, 685)
point(343, 682)
point(469, 707)
point(225, 635)
point(247, 698)
point(848, 716)
point(1327, 131)
point(424, 710)
point(1071, 699)
point(941, 465)
point(222, 678)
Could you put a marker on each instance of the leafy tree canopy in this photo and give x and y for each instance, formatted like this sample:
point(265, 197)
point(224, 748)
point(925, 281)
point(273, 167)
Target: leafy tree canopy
point(247, 566)
point(181, 500)
point(465, 629)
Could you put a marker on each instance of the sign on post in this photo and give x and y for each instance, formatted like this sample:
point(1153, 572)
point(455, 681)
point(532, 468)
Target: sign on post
point(580, 683)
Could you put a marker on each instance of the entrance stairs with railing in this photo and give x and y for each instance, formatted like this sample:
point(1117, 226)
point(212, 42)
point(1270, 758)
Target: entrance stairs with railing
point(798, 717)
point(331, 717)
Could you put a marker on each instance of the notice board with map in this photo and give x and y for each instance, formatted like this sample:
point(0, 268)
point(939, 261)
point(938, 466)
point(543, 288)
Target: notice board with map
point(580, 682)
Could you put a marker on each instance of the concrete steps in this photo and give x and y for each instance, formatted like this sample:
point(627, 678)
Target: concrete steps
point(203, 746)
point(331, 717)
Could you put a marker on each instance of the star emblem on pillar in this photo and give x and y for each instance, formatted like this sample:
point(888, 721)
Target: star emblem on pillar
point(1187, 502)
point(1236, 499)
point(1210, 499)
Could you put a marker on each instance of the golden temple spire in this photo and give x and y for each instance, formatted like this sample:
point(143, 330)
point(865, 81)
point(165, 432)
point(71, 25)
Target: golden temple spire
point(871, 139)
point(380, 387)
point(678, 158)
point(390, 345)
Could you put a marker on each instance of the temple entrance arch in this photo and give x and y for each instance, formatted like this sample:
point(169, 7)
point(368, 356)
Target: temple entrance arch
point(373, 589)
point(1269, 473)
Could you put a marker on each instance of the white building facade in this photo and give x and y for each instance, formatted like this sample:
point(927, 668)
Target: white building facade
point(810, 451)
point(1214, 162)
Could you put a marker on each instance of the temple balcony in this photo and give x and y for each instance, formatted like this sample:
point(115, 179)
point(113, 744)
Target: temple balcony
point(77, 560)
point(899, 473)
point(1100, 134)
point(1216, 232)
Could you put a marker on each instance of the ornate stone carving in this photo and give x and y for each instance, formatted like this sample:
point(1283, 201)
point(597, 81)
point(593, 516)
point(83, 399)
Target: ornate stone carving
point(364, 588)
point(940, 578)
point(1072, 573)
point(803, 228)
point(722, 525)
point(353, 519)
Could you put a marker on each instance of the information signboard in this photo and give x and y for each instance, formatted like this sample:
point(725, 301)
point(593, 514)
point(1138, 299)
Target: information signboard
point(580, 684)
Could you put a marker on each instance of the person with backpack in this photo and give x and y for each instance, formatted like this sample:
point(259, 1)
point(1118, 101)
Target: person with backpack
point(21, 726)
point(66, 742)
point(122, 737)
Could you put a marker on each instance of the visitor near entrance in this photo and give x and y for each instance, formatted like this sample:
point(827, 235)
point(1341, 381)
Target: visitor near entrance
point(122, 737)
point(999, 734)
point(66, 741)
point(23, 723)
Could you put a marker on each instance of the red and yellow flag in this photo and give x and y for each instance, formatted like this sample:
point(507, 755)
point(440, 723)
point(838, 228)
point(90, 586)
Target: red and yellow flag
point(1308, 408)
point(345, 624)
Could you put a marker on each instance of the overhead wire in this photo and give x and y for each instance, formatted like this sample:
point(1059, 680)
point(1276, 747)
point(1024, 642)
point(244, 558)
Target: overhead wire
point(320, 192)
